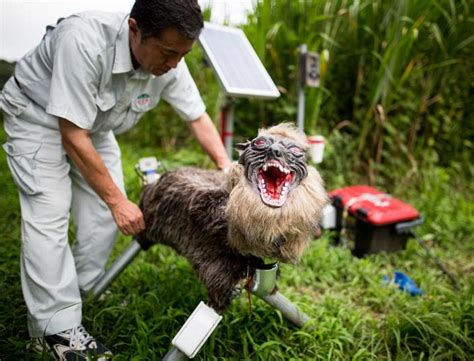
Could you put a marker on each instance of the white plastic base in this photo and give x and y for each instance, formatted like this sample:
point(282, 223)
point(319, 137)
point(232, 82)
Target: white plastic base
point(196, 330)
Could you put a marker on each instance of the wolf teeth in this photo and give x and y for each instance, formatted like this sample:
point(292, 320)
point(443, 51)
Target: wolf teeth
point(276, 165)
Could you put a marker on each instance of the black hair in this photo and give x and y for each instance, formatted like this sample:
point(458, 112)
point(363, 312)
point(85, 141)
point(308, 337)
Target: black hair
point(154, 16)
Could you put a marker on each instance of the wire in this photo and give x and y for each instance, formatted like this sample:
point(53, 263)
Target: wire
point(436, 260)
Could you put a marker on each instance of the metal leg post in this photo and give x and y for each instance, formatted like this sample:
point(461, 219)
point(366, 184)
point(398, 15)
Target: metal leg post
point(263, 285)
point(174, 355)
point(117, 267)
point(288, 309)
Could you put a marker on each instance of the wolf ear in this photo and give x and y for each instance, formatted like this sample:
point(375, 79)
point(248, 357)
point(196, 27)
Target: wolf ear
point(241, 147)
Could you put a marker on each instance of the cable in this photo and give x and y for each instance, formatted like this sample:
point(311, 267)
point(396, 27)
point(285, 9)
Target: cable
point(436, 260)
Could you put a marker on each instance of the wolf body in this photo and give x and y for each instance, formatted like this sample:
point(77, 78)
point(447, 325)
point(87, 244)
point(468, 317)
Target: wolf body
point(224, 224)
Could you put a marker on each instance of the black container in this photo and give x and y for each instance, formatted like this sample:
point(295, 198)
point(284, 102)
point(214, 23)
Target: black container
point(366, 235)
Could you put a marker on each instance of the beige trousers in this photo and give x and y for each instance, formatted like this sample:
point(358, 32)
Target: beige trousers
point(50, 189)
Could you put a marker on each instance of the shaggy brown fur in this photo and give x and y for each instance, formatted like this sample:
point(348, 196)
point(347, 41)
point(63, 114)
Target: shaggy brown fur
point(254, 227)
point(220, 224)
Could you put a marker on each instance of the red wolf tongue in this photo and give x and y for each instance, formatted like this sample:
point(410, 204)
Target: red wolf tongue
point(274, 180)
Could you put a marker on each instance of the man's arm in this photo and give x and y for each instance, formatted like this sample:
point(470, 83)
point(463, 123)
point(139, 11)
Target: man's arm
point(206, 134)
point(80, 149)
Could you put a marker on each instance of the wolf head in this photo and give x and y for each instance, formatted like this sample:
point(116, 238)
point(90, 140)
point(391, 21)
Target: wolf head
point(274, 163)
point(276, 199)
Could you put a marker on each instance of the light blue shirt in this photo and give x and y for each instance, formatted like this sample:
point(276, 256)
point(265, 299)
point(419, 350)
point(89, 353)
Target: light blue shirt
point(82, 71)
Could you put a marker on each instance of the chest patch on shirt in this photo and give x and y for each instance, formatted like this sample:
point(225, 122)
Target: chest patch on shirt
point(143, 101)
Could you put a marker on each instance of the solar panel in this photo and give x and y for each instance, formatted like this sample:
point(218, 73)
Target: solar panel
point(235, 62)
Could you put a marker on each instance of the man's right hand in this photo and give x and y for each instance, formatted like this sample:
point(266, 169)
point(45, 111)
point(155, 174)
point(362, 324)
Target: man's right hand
point(128, 217)
point(79, 147)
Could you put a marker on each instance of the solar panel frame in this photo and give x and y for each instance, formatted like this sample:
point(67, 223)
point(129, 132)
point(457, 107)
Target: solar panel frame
point(270, 91)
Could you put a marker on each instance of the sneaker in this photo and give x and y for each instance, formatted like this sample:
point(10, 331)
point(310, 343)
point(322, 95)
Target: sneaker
point(74, 344)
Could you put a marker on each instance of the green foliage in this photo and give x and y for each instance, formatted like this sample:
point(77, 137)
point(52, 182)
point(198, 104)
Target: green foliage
point(6, 70)
point(395, 75)
point(352, 314)
point(395, 105)
point(396, 83)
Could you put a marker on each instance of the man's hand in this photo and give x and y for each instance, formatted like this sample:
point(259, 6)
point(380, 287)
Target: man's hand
point(128, 217)
point(80, 149)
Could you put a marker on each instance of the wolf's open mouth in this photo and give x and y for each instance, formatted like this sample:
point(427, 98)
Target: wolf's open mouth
point(274, 182)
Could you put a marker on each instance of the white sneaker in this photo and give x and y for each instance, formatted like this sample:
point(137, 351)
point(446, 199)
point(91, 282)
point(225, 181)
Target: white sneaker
point(74, 344)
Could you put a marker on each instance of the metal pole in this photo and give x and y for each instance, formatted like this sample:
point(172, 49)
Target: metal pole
point(288, 309)
point(174, 355)
point(117, 267)
point(303, 49)
point(229, 128)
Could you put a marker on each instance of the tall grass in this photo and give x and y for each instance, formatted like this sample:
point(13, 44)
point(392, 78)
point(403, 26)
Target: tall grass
point(395, 75)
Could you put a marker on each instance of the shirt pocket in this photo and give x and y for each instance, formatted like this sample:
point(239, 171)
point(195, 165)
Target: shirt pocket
point(23, 166)
point(106, 104)
point(138, 107)
point(105, 101)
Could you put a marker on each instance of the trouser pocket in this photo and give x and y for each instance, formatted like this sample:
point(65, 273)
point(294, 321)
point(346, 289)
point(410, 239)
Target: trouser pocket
point(12, 100)
point(23, 166)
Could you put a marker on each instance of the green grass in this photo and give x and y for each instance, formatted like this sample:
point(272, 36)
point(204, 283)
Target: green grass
point(395, 107)
point(352, 315)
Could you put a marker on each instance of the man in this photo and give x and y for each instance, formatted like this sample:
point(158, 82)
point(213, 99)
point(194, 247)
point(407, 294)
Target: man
point(91, 76)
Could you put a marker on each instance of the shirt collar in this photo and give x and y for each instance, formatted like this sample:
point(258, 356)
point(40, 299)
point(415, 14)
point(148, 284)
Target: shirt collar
point(123, 57)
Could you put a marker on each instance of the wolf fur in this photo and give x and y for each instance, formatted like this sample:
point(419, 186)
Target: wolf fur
point(255, 229)
point(219, 223)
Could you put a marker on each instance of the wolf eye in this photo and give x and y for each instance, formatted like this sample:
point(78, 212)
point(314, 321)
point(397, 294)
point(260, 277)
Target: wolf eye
point(296, 151)
point(261, 143)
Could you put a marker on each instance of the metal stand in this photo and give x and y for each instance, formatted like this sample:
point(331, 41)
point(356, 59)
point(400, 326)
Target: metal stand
point(202, 322)
point(117, 267)
point(227, 125)
point(264, 283)
point(174, 355)
point(288, 309)
point(303, 49)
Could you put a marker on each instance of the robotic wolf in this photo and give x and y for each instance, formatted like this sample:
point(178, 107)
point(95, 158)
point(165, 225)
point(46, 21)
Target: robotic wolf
point(267, 205)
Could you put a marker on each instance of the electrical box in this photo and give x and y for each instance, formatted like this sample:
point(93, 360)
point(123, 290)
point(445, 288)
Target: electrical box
point(372, 220)
point(313, 75)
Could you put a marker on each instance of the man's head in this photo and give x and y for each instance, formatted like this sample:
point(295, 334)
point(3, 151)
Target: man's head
point(162, 32)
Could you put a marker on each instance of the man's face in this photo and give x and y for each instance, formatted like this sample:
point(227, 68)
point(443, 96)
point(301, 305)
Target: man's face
point(158, 55)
